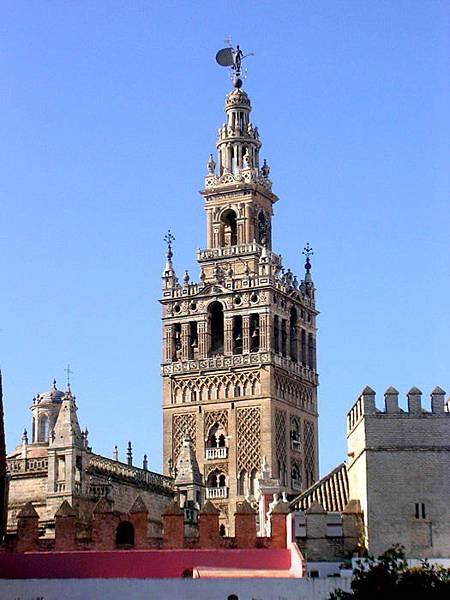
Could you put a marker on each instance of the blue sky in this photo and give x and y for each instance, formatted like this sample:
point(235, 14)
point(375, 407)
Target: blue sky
point(109, 112)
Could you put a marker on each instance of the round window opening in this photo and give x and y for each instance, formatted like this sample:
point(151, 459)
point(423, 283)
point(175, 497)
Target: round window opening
point(176, 308)
point(193, 306)
point(254, 298)
point(237, 300)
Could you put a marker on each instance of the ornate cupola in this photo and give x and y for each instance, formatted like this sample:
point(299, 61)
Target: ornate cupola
point(239, 345)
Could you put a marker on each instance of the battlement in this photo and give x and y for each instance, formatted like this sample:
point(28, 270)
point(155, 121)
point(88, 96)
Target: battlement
point(365, 405)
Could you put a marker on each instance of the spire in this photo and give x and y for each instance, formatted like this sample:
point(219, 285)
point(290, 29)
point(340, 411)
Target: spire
point(169, 276)
point(129, 455)
point(67, 430)
point(187, 470)
point(308, 252)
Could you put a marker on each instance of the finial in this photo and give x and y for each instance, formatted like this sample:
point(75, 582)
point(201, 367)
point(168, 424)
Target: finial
point(169, 238)
point(186, 277)
point(129, 455)
point(25, 437)
point(232, 57)
point(211, 165)
point(68, 374)
point(145, 463)
point(115, 453)
point(307, 252)
point(54, 383)
point(265, 169)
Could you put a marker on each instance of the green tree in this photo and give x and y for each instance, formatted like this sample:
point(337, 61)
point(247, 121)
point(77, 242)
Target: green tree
point(389, 578)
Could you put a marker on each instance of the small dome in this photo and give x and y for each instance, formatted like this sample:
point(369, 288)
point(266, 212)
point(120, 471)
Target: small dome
point(53, 395)
point(237, 98)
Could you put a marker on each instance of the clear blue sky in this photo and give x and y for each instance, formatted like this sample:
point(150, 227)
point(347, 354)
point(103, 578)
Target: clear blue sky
point(109, 111)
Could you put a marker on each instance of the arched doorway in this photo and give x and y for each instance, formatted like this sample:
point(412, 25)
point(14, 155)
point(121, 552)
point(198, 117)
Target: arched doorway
point(125, 534)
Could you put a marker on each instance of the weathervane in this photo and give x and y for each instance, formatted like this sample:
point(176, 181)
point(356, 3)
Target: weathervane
point(169, 238)
point(308, 252)
point(232, 57)
point(68, 374)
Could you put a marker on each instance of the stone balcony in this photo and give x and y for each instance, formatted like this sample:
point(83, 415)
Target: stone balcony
point(215, 453)
point(216, 492)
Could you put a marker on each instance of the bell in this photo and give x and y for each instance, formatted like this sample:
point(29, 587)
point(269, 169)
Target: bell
point(255, 333)
point(194, 344)
point(238, 337)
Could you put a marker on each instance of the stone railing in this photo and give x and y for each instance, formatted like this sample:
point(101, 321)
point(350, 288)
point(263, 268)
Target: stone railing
point(217, 362)
point(237, 250)
point(239, 360)
point(112, 468)
point(27, 465)
point(214, 453)
point(216, 492)
point(97, 490)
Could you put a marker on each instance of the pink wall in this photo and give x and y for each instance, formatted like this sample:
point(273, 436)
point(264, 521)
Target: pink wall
point(134, 563)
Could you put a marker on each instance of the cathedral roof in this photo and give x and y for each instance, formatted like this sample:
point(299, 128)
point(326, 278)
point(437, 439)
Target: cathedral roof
point(319, 492)
point(53, 395)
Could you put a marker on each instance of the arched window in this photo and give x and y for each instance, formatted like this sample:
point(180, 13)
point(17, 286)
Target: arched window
point(262, 228)
point(216, 479)
point(304, 356)
point(276, 334)
point(311, 356)
point(283, 337)
point(125, 534)
point(43, 429)
point(221, 443)
point(237, 335)
point(222, 531)
point(254, 333)
point(295, 434)
point(228, 228)
point(293, 334)
point(252, 483)
point(242, 483)
point(216, 327)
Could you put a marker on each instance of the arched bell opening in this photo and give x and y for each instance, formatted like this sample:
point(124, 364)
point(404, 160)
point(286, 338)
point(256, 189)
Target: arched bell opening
point(43, 429)
point(228, 228)
point(215, 311)
point(293, 346)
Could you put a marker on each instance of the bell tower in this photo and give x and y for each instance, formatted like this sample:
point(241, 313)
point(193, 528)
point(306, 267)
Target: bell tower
point(239, 346)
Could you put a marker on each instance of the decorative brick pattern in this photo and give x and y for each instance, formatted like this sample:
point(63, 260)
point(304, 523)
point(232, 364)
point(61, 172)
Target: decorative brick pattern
point(248, 438)
point(182, 425)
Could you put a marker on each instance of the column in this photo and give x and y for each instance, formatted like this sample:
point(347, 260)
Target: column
point(168, 343)
point(202, 339)
point(246, 334)
point(263, 332)
point(185, 341)
point(228, 336)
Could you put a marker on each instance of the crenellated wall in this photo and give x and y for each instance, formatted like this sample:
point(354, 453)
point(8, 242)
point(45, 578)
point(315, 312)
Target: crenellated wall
point(398, 468)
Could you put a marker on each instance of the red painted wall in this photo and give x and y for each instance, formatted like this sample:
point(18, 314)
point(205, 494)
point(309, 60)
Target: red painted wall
point(134, 563)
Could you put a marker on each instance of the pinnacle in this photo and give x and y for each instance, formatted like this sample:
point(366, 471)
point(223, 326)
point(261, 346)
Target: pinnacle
point(438, 391)
point(368, 391)
point(209, 509)
point(138, 506)
point(65, 510)
point(391, 390)
point(173, 509)
point(28, 511)
point(103, 506)
point(413, 391)
point(244, 508)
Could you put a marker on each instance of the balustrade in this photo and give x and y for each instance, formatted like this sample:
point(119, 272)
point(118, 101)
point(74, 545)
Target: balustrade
point(216, 492)
point(213, 453)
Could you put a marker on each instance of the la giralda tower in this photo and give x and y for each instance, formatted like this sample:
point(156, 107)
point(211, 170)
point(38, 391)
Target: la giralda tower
point(239, 346)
